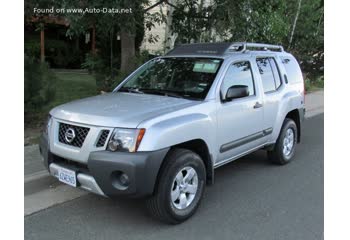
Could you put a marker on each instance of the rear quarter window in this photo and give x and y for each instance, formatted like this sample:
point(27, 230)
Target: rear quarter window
point(292, 69)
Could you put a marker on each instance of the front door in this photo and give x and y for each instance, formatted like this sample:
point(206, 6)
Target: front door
point(240, 121)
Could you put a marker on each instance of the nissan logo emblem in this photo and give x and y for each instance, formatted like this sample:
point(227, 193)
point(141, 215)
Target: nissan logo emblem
point(69, 135)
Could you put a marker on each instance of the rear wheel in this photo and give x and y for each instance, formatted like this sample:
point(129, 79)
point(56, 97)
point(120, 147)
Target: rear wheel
point(180, 187)
point(284, 149)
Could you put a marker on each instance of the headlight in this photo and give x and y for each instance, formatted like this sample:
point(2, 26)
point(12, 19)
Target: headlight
point(125, 139)
point(48, 124)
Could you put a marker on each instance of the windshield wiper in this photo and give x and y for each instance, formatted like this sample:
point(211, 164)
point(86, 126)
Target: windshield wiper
point(162, 92)
point(130, 90)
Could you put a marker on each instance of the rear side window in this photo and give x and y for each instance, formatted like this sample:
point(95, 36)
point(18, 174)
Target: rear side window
point(269, 72)
point(276, 73)
point(292, 69)
point(238, 74)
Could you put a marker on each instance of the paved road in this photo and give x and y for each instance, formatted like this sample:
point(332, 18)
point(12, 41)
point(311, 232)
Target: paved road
point(251, 199)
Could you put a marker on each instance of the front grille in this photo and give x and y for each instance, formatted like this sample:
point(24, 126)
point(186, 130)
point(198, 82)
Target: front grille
point(102, 139)
point(80, 134)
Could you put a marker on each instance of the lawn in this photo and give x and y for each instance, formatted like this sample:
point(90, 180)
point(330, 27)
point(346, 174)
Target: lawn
point(69, 86)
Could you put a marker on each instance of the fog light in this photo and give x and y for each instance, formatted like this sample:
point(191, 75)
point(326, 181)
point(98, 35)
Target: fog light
point(124, 179)
point(120, 180)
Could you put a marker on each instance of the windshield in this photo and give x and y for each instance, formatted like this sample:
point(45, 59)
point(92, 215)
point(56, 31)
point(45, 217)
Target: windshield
point(175, 77)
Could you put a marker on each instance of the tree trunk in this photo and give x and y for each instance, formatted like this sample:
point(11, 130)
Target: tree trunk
point(111, 51)
point(93, 40)
point(294, 24)
point(42, 45)
point(127, 50)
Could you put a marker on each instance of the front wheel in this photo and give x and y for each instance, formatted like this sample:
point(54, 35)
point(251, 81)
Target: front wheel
point(284, 148)
point(180, 187)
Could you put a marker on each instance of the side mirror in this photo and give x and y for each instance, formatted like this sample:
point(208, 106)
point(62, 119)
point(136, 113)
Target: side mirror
point(236, 91)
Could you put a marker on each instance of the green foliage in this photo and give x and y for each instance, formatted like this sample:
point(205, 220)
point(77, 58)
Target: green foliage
point(269, 21)
point(94, 63)
point(314, 84)
point(308, 42)
point(39, 84)
point(99, 68)
point(32, 48)
point(58, 52)
point(69, 86)
point(141, 58)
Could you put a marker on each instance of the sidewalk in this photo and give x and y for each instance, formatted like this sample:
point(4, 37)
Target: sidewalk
point(33, 166)
point(314, 103)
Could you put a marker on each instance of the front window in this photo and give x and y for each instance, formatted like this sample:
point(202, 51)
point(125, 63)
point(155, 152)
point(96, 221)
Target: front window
point(239, 73)
point(175, 77)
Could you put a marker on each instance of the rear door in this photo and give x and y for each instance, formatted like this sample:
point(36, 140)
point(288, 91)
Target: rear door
point(272, 88)
point(240, 121)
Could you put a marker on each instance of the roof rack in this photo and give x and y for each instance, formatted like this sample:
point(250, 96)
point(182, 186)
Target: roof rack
point(243, 46)
point(200, 49)
point(219, 49)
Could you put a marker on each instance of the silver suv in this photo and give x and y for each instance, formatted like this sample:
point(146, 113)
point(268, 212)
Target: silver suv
point(164, 130)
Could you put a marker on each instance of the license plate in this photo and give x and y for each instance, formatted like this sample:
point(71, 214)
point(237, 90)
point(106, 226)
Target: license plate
point(67, 176)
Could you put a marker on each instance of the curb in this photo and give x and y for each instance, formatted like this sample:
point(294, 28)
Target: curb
point(37, 176)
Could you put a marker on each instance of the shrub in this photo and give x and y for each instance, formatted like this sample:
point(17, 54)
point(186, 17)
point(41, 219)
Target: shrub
point(58, 53)
point(39, 84)
point(93, 63)
point(312, 84)
point(32, 48)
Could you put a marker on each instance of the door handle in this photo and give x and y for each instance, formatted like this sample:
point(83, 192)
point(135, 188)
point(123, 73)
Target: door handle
point(258, 105)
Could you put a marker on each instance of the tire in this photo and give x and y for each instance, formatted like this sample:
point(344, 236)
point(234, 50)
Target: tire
point(281, 154)
point(179, 162)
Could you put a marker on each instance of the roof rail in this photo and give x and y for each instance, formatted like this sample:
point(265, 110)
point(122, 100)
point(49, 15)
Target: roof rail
point(243, 46)
point(219, 49)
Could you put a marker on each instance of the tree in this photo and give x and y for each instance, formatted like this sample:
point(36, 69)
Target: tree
point(270, 21)
point(294, 23)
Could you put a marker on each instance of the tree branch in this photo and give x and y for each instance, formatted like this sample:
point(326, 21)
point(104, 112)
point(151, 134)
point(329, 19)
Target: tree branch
point(155, 5)
point(158, 3)
point(170, 4)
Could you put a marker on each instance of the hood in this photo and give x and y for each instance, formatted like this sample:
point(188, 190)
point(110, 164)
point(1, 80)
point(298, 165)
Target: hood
point(119, 109)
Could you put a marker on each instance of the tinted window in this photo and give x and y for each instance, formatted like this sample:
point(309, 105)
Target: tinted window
point(238, 74)
point(269, 72)
point(276, 73)
point(292, 69)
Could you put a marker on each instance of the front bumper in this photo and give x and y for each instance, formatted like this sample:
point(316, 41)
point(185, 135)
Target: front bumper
point(102, 173)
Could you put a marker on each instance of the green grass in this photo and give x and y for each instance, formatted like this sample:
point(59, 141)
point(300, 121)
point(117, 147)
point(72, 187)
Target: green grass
point(72, 86)
point(69, 86)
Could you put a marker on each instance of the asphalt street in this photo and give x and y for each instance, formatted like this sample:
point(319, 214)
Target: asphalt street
point(251, 199)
